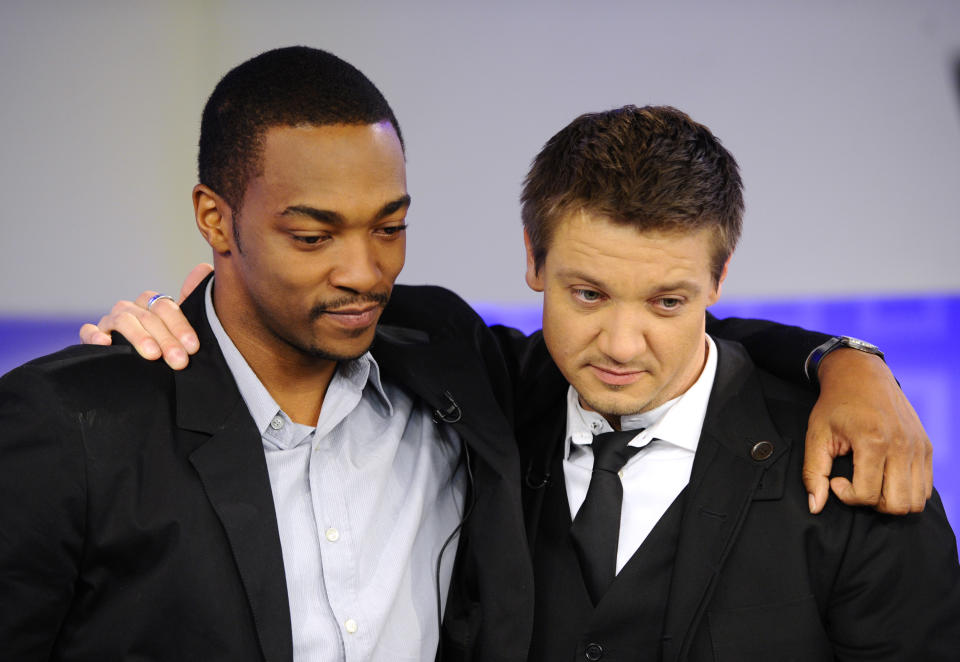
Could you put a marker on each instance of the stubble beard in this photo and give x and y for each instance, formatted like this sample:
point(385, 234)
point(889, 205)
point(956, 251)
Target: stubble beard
point(316, 351)
point(612, 410)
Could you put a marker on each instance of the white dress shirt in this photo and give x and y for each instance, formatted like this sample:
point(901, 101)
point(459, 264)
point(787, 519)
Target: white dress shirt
point(365, 501)
point(653, 477)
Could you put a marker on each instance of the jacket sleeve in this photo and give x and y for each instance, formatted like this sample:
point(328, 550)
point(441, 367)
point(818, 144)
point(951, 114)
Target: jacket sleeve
point(897, 591)
point(515, 347)
point(42, 504)
point(777, 348)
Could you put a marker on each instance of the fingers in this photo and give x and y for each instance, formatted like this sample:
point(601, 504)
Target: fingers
point(908, 469)
point(844, 491)
point(146, 330)
point(92, 335)
point(197, 274)
point(886, 477)
point(886, 485)
point(817, 462)
point(898, 490)
point(160, 331)
point(916, 452)
point(862, 405)
point(125, 319)
point(919, 494)
point(163, 327)
point(166, 322)
point(866, 488)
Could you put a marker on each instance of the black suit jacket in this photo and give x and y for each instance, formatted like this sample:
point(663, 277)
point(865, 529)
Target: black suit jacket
point(756, 577)
point(136, 516)
point(489, 615)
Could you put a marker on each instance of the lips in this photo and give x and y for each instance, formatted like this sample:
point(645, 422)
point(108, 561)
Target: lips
point(353, 318)
point(616, 377)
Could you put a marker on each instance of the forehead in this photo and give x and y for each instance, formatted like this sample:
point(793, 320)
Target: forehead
point(350, 164)
point(590, 244)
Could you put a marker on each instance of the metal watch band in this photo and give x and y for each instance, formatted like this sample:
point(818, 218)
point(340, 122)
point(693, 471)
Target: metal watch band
point(812, 364)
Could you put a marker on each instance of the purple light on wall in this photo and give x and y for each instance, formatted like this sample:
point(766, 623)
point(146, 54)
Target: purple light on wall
point(23, 339)
point(919, 336)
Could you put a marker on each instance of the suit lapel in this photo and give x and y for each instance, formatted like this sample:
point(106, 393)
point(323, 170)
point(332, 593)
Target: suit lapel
point(724, 481)
point(541, 468)
point(452, 383)
point(228, 457)
point(540, 428)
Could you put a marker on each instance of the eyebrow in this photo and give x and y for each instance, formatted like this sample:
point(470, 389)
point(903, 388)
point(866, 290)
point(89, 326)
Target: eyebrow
point(336, 218)
point(574, 274)
point(689, 285)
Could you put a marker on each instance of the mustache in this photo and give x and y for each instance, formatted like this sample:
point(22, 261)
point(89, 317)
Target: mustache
point(379, 298)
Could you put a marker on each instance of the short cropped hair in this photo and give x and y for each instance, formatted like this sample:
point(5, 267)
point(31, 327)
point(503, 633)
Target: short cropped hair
point(651, 167)
point(283, 87)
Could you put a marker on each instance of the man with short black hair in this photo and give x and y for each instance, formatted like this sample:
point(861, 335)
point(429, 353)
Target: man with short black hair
point(665, 511)
point(290, 496)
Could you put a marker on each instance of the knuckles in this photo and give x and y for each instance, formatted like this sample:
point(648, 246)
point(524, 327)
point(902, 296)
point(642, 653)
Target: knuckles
point(122, 306)
point(890, 510)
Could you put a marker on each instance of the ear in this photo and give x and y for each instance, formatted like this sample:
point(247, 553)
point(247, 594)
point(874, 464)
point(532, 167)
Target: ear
point(723, 276)
point(534, 277)
point(214, 219)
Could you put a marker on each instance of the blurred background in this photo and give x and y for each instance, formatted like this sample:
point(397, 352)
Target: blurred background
point(844, 116)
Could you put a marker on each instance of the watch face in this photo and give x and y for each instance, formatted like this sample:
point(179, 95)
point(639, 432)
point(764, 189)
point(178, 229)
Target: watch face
point(862, 345)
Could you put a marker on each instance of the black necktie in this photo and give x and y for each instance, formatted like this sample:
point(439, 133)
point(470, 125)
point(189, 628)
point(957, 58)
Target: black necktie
point(596, 528)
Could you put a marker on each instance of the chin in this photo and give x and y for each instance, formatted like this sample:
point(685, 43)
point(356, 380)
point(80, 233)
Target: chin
point(611, 404)
point(342, 351)
point(341, 347)
point(331, 354)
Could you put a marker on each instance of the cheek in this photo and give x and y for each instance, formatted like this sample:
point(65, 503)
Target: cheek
point(388, 258)
point(286, 287)
point(396, 258)
point(265, 258)
point(675, 344)
point(567, 334)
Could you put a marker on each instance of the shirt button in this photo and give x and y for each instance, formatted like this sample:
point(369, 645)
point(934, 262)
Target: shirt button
point(350, 625)
point(276, 423)
point(333, 536)
point(593, 652)
point(620, 473)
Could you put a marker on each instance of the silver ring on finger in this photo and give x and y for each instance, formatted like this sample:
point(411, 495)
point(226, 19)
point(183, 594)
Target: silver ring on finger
point(156, 297)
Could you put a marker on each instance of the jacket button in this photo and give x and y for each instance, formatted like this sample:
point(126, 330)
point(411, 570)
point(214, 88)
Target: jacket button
point(761, 451)
point(593, 652)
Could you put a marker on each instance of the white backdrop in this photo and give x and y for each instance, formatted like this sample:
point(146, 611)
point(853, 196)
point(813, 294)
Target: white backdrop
point(843, 115)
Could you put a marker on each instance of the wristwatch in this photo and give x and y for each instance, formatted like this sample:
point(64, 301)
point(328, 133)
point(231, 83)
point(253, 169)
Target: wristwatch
point(812, 364)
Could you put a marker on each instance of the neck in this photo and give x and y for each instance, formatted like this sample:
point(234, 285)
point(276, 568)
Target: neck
point(297, 381)
point(299, 386)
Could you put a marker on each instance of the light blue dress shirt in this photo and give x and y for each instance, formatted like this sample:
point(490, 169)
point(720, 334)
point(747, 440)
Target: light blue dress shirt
point(365, 502)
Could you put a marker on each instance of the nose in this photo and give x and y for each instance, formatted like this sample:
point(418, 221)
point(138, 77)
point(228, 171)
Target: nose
point(357, 266)
point(621, 336)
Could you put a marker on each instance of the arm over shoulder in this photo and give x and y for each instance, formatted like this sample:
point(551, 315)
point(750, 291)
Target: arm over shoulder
point(777, 348)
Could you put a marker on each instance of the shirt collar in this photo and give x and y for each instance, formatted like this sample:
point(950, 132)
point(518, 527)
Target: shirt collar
point(355, 374)
point(676, 422)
